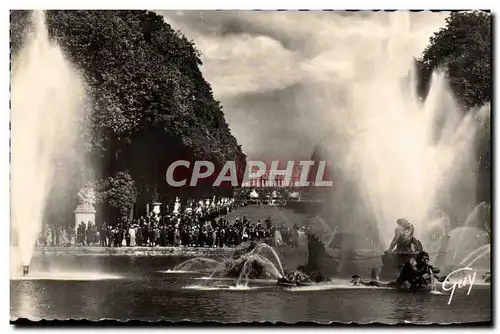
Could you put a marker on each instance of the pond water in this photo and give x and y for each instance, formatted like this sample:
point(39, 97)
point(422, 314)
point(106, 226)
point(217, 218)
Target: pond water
point(126, 287)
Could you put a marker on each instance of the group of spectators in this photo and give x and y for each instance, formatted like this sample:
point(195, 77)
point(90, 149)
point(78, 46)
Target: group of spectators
point(208, 228)
point(187, 230)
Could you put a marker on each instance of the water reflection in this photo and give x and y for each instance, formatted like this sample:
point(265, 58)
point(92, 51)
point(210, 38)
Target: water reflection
point(25, 303)
point(144, 293)
point(403, 312)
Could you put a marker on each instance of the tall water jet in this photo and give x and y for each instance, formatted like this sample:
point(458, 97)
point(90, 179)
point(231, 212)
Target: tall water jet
point(395, 155)
point(47, 101)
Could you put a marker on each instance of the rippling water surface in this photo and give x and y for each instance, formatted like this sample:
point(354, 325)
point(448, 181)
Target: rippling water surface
point(115, 287)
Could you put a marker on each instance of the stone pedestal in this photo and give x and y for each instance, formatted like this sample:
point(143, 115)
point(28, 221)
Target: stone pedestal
point(177, 206)
point(156, 210)
point(83, 213)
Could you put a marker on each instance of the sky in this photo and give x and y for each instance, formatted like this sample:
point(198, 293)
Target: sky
point(279, 75)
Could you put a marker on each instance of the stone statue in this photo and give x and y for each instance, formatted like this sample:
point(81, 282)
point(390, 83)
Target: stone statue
point(87, 196)
point(403, 240)
point(177, 205)
point(85, 211)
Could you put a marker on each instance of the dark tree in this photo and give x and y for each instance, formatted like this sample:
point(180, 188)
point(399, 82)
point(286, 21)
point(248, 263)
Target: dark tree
point(120, 193)
point(463, 49)
point(20, 24)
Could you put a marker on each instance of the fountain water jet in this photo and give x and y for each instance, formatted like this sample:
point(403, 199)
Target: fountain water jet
point(197, 264)
point(395, 155)
point(242, 266)
point(268, 265)
point(478, 219)
point(473, 253)
point(477, 258)
point(479, 216)
point(47, 97)
point(463, 241)
point(264, 246)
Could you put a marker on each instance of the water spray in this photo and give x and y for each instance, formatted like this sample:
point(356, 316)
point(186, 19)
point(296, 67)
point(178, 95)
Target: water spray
point(47, 103)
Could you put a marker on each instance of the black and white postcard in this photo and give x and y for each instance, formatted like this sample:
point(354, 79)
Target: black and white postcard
point(251, 166)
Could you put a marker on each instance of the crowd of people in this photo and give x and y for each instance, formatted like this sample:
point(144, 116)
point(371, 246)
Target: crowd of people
point(187, 230)
point(203, 228)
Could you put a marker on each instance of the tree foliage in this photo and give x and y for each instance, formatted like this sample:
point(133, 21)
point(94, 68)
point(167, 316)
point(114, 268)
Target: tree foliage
point(20, 25)
point(463, 48)
point(120, 193)
point(150, 102)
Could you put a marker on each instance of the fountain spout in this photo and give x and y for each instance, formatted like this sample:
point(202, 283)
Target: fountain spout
point(26, 269)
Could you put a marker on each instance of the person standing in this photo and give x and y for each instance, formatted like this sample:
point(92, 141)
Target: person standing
point(157, 235)
point(104, 235)
point(127, 236)
point(139, 234)
point(131, 232)
point(49, 237)
point(88, 234)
